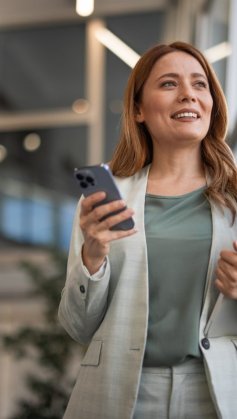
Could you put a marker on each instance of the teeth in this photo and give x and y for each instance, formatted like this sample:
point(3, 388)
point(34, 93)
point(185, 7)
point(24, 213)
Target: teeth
point(186, 114)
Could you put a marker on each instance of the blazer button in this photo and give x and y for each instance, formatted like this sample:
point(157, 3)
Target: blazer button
point(205, 343)
point(82, 289)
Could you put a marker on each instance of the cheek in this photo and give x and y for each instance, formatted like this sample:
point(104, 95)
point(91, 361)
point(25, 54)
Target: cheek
point(209, 104)
point(150, 107)
point(211, 107)
point(154, 104)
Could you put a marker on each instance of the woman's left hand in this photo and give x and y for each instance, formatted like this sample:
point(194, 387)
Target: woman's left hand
point(226, 272)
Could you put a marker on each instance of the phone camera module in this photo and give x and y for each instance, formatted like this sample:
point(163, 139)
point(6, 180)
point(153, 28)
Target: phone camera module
point(83, 184)
point(86, 179)
point(90, 180)
point(79, 176)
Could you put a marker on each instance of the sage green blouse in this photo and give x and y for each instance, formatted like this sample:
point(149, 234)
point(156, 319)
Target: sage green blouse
point(179, 233)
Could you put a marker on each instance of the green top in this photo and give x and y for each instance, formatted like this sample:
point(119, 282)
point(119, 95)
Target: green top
point(179, 234)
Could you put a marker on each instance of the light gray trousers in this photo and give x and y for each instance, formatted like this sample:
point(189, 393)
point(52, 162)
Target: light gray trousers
point(179, 392)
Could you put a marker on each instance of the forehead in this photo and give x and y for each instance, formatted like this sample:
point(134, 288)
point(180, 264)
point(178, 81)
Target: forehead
point(177, 62)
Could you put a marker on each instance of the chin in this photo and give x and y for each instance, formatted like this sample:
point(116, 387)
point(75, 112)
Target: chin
point(193, 136)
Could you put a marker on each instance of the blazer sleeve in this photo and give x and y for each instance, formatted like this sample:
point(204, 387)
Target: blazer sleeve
point(84, 300)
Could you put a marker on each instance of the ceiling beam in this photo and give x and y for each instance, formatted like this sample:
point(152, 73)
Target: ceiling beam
point(16, 121)
point(25, 13)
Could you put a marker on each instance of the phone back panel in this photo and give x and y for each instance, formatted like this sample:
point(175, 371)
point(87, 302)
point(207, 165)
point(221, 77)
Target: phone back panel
point(99, 178)
point(96, 179)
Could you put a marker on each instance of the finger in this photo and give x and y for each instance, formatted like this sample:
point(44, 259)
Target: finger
point(226, 288)
point(105, 210)
point(220, 274)
point(92, 224)
point(108, 236)
point(221, 287)
point(219, 284)
point(235, 245)
point(225, 268)
point(104, 237)
point(229, 257)
point(222, 281)
point(89, 202)
point(226, 277)
point(112, 220)
point(119, 234)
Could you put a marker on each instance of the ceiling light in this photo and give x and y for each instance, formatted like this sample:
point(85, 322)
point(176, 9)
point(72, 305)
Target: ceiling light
point(218, 52)
point(3, 153)
point(118, 47)
point(80, 106)
point(32, 142)
point(84, 7)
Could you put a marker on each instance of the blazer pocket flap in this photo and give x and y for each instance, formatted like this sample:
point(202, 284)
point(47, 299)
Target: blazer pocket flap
point(92, 356)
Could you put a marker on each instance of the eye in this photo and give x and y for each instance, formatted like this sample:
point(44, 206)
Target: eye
point(169, 83)
point(201, 83)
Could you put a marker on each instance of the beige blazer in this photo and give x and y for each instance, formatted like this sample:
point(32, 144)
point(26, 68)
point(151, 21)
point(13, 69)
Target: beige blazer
point(111, 316)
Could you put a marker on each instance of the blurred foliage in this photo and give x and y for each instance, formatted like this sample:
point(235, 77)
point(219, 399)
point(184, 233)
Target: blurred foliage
point(48, 346)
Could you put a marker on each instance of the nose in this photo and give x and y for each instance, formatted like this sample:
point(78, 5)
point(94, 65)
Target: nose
point(186, 94)
point(186, 98)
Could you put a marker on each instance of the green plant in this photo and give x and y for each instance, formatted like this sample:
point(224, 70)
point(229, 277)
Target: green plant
point(48, 346)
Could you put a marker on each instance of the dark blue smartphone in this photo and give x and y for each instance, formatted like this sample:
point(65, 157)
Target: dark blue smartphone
point(99, 178)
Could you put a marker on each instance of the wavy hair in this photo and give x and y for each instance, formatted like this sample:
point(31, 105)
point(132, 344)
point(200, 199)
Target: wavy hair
point(134, 149)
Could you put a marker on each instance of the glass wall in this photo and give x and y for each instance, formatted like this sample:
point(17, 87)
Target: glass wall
point(43, 70)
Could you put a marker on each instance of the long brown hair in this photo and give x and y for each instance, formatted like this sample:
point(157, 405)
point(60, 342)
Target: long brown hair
point(134, 150)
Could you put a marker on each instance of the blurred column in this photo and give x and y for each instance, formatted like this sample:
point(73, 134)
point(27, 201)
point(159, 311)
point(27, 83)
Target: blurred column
point(7, 373)
point(180, 20)
point(95, 93)
point(6, 385)
point(231, 78)
point(202, 27)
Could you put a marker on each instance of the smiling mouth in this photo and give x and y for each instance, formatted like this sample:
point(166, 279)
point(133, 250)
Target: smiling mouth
point(189, 115)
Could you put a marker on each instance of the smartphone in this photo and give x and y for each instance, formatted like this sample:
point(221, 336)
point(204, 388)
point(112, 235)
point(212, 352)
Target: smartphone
point(99, 178)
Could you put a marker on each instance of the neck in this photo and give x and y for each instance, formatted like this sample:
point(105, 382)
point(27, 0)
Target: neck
point(176, 172)
point(177, 164)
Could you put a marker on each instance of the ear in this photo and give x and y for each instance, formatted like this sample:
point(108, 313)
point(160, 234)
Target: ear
point(138, 114)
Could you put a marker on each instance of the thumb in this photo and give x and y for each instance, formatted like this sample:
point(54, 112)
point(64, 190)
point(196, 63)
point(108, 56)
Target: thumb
point(235, 245)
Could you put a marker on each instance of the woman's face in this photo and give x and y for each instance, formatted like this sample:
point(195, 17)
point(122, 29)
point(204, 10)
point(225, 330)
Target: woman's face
point(176, 102)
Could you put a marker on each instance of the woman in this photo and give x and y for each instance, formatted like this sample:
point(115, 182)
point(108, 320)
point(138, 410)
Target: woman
point(141, 298)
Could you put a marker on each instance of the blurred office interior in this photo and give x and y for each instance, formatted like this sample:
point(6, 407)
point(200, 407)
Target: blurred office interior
point(62, 78)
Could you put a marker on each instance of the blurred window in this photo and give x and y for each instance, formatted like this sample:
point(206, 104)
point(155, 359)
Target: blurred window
point(37, 221)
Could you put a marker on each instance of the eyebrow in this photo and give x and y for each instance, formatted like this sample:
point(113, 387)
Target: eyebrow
point(176, 75)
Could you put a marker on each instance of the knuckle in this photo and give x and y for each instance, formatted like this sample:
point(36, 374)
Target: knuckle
point(126, 213)
point(84, 204)
point(82, 223)
point(92, 233)
point(97, 212)
point(233, 283)
point(119, 204)
point(107, 223)
point(232, 294)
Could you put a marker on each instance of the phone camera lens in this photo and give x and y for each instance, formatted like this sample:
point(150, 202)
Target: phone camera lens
point(83, 184)
point(90, 180)
point(79, 176)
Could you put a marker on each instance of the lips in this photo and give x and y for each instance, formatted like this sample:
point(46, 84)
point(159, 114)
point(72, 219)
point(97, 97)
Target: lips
point(186, 113)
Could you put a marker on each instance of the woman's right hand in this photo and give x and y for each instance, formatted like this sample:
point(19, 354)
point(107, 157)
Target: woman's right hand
point(97, 234)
